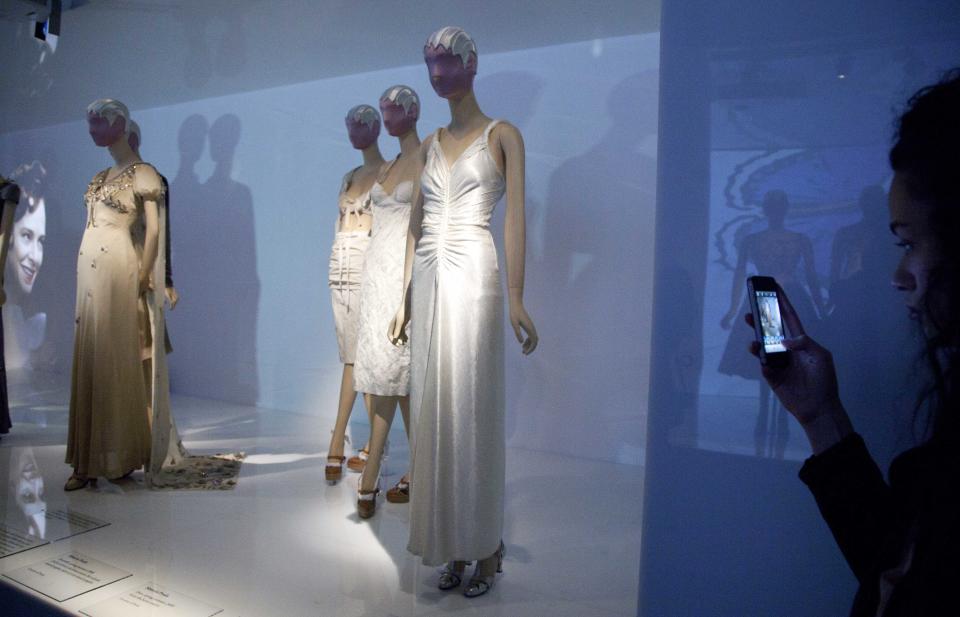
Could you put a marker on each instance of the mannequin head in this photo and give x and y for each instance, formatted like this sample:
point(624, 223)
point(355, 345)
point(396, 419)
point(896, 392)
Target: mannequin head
point(451, 57)
point(363, 126)
point(133, 138)
point(775, 206)
point(400, 107)
point(108, 121)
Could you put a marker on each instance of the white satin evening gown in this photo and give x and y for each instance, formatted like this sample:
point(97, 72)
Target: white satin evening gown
point(456, 377)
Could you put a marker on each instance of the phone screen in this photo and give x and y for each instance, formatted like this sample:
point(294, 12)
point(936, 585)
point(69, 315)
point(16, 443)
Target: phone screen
point(771, 324)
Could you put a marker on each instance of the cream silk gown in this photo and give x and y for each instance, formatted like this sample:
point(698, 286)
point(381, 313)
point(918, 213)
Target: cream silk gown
point(457, 379)
point(109, 432)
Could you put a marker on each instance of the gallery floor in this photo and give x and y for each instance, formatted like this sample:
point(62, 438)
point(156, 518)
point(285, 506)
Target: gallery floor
point(284, 543)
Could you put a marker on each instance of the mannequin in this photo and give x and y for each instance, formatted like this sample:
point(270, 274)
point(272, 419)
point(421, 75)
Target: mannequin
point(109, 431)
point(9, 198)
point(346, 266)
point(382, 370)
point(455, 300)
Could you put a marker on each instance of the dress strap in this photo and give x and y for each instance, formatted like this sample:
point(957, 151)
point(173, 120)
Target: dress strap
point(486, 131)
point(386, 171)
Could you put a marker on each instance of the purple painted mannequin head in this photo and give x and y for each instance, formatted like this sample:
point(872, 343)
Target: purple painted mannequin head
point(363, 126)
point(451, 57)
point(400, 107)
point(108, 120)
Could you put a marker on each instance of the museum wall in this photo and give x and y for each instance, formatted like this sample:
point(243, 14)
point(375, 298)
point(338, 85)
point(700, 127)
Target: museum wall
point(254, 175)
point(757, 98)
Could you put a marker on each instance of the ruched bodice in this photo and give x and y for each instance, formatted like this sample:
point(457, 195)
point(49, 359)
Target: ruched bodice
point(456, 358)
point(461, 194)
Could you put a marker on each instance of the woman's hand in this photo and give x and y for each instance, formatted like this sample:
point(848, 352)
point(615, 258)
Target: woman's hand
point(807, 385)
point(397, 332)
point(144, 283)
point(172, 296)
point(522, 323)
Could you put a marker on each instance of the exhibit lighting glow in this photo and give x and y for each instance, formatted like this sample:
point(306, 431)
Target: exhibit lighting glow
point(278, 459)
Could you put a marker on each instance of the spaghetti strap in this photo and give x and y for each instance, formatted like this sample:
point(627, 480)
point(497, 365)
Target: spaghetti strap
point(486, 131)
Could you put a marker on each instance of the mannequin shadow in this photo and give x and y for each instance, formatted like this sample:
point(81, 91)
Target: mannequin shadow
point(213, 238)
point(598, 236)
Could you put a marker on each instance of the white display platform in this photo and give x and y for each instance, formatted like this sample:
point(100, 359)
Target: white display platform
point(284, 543)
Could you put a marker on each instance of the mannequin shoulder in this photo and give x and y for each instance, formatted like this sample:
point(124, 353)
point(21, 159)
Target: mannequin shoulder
point(506, 136)
point(147, 181)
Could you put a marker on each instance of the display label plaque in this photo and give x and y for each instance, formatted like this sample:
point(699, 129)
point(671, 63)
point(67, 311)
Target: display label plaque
point(13, 541)
point(151, 601)
point(67, 576)
point(62, 524)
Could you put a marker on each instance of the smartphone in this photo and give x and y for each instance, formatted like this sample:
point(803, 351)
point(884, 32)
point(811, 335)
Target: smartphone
point(767, 322)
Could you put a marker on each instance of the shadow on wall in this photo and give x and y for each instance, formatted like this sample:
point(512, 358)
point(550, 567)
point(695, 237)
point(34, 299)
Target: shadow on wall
point(518, 109)
point(214, 268)
point(588, 281)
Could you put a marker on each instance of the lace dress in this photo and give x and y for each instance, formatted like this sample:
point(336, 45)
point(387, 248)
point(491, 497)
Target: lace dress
point(382, 368)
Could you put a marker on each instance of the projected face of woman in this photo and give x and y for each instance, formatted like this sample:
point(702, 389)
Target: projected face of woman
point(103, 132)
point(449, 76)
point(362, 135)
point(26, 249)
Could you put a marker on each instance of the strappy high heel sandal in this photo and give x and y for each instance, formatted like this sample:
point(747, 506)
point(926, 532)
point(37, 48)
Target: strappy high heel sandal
point(334, 469)
point(480, 584)
point(400, 493)
point(367, 500)
point(452, 575)
point(359, 460)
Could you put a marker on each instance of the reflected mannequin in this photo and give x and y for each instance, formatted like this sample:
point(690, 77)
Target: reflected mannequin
point(777, 252)
point(109, 431)
point(454, 302)
point(346, 268)
point(9, 198)
point(382, 370)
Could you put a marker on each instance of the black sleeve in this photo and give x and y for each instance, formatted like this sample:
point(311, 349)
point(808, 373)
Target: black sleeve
point(854, 500)
point(168, 266)
point(9, 192)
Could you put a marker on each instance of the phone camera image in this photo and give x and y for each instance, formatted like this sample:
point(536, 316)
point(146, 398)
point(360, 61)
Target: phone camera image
point(771, 325)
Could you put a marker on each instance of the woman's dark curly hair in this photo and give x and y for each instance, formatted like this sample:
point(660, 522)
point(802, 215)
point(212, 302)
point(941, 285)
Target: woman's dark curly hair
point(926, 154)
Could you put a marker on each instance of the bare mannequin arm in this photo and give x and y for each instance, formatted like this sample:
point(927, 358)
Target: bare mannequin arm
point(514, 234)
point(811, 273)
point(398, 324)
point(736, 292)
point(148, 185)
